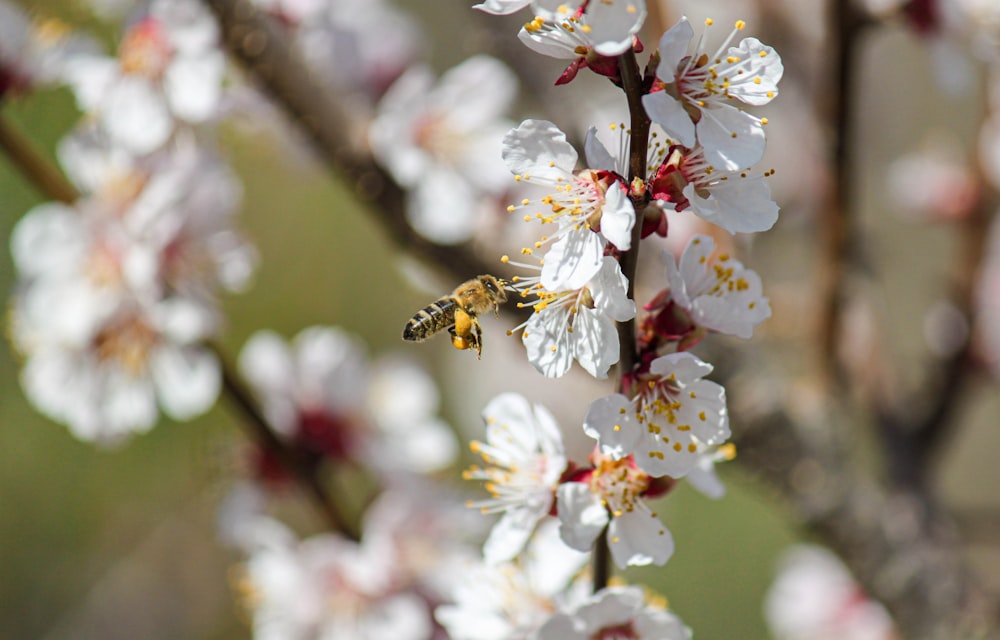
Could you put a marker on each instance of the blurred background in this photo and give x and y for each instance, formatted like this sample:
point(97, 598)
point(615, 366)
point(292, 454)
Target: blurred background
point(122, 543)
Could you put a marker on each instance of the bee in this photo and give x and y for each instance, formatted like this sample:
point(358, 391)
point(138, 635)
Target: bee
point(458, 313)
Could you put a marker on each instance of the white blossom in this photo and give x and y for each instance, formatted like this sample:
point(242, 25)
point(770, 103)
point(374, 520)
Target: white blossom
point(168, 73)
point(673, 412)
point(320, 393)
point(580, 203)
point(615, 612)
point(610, 497)
point(525, 460)
point(706, 84)
point(815, 598)
point(511, 601)
point(576, 324)
point(716, 293)
point(571, 31)
point(737, 201)
point(442, 142)
point(325, 588)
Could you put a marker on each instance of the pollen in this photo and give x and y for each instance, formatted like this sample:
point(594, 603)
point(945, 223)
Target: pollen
point(740, 25)
point(763, 120)
point(709, 22)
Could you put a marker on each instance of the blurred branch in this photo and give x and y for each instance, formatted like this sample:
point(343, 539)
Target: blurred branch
point(266, 52)
point(906, 555)
point(836, 220)
point(52, 184)
point(911, 442)
point(35, 167)
point(305, 471)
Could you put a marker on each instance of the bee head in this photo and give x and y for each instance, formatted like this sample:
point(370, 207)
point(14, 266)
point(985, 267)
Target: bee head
point(496, 286)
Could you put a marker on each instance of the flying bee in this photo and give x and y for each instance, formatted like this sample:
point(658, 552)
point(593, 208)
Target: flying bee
point(458, 313)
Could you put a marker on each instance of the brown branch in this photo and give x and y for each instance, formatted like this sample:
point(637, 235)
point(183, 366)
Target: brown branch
point(305, 471)
point(912, 440)
point(837, 220)
point(632, 84)
point(35, 167)
point(265, 51)
point(905, 554)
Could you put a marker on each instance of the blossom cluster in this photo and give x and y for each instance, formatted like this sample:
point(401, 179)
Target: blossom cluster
point(667, 421)
point(119, 288)
point(118, 300)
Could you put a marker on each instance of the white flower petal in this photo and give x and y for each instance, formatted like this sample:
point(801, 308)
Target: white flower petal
point(666, 111)
point(539, 148)
point(582, 517)
point(638, 538)
point(188, 380)
point(733, 139)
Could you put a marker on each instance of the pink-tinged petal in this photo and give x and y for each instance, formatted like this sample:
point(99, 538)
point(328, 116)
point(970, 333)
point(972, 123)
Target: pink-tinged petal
point(663, 109)
point(611, 421)
point(582, 517)
point(188, 380)
point(572, 261)
point(638, 538)
point(732, 139)
point(538, 148)
point(673, 47)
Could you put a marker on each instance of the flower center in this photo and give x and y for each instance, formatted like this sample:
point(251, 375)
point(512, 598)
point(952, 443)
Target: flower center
point(145, 50)
point(625, 631)
point(128, 342)
point(619, 483)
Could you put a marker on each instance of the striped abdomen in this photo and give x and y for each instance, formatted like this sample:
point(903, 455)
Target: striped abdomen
point(434, 317)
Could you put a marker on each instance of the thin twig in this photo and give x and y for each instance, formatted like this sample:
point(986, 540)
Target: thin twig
point(911, 442)
point(632, 83)
point(265, 51)
point(303, 470)
point(35, 167)
point(837, 219)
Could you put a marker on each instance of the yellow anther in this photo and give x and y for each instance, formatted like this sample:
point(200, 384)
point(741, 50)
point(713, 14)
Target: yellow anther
point(740, 25)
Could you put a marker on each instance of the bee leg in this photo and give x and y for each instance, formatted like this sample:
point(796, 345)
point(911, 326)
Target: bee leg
point(465, 333)
point(476, 339)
